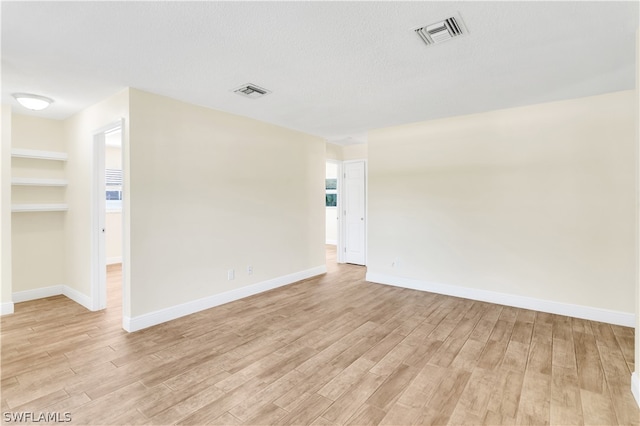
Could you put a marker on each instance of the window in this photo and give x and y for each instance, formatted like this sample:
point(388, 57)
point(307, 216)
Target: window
point(331, 192)
point(113, 180)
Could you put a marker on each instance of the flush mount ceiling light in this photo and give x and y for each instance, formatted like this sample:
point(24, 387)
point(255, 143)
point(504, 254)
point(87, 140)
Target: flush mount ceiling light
point(251, 91)
point(442, 30)
point(33, 102)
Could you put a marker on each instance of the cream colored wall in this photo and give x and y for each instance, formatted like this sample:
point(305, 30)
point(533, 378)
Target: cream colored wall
point(5, 211)
point(113, 231)
point(37, 238)
point(355, 152)
point(79, 131)
point(536, 201)
point(346, 152)
point(241, 192)
point(38, 133)
point(333, 152)
point(331, 225)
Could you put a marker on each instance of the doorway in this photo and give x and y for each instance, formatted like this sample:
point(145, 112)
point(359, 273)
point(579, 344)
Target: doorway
point(107, 217)
point(331, 203)
point(113, 220)
point(332, 208)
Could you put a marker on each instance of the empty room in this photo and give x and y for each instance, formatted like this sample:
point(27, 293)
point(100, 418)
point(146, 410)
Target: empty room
point(320, 213)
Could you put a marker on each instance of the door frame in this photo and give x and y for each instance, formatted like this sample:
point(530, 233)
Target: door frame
point(98, 216)
point(340, 242)
point(343, 229)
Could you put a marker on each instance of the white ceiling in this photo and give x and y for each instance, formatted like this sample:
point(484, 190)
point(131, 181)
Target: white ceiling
point(336, 69)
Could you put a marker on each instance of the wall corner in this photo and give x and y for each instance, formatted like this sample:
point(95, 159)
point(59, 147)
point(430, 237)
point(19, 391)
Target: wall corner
point(6, 289)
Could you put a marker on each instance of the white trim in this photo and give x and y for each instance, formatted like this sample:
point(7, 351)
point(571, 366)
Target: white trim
point(38, 182)
point(114, 260)
point(626, 319)
point(331, 242)
point(54, 290)
point(6, 308)
point(167, 314)
point(37, 293)
point(39, 155)
point(24, 208)
point(635, 387)
point(79, 298)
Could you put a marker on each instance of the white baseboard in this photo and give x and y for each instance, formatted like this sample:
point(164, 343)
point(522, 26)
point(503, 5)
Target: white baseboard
point(585, 312)
point(37, 293)
point(114, 260)
point(163, 315)
point(635, 387)
point(331, 242)
point(79, 298)
point(54, 290)
point(6, 308)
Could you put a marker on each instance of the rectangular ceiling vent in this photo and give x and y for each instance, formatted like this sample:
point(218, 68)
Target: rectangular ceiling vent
point(251, 91)
point(441, 31)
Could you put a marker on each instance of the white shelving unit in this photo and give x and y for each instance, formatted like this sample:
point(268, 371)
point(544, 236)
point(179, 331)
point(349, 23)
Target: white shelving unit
point(27, 181)
point(39, 155)
point(38, 182)
point(22, 208)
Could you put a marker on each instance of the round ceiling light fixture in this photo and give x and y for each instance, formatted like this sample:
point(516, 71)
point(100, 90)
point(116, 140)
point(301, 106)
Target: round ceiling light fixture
point(33, 102)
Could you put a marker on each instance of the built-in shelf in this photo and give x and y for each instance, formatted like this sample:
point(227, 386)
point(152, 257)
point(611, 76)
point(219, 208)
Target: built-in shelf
point(38, 182)
point(18, 208)
point(39, 155)
point(27, 181)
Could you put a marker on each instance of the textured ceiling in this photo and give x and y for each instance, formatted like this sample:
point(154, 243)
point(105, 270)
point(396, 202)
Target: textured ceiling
point(336, 69)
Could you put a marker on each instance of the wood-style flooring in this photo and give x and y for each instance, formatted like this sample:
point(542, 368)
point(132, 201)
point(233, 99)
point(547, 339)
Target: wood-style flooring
point(329, 350)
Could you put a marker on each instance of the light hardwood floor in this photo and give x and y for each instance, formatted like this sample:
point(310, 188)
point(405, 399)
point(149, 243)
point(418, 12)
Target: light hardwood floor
point(329, 350)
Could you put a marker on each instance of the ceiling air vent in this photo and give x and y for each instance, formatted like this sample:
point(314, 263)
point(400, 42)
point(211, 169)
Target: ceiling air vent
point(251, 91)
point(441, 31)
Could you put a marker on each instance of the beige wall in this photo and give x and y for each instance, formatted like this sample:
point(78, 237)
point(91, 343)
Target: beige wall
point(331, 225)
point(536, 201)
point(333, 151)
point(38, 133)
point(79, 131)
point(5, 211)
point(346, 152)
point(355, 152)
point(241, 192)
point(37, 238)
point(113, 231)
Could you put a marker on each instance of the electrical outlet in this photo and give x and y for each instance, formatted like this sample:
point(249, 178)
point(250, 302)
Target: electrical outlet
point(231, 274)
point(249, 270)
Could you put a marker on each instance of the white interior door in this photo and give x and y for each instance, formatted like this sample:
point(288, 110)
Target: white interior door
point(354, 212)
